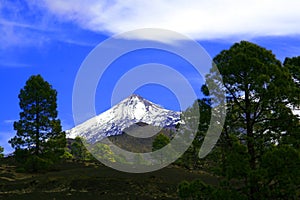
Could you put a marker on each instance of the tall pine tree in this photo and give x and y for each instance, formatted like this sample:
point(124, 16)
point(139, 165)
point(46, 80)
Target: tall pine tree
point(259, 91)
point(39, 132)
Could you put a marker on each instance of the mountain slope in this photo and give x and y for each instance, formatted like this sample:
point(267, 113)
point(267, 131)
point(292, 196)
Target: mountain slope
point(139, 144)
point(131, 110)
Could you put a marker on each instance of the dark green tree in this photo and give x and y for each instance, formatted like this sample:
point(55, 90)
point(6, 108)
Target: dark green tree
point(39, 132)
point(1, 152)
point(280, 173)
point(103, 152)
point(293, 64)
point(258, 91)
point(79, 151)
point(201, 110)
point(159, 142)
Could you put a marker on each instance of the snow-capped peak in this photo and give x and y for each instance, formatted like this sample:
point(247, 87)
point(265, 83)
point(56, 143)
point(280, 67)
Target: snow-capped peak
point(131, 110)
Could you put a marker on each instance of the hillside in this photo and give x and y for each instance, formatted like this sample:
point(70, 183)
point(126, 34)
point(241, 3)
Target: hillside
point(89, 180)
point(135, 144)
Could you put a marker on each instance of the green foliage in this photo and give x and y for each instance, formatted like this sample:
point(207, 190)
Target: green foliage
point(160, 141)
point(36, 163)
point(280, 173)
point(21, 155)
point(66, 156)
point(79, 151)
point(199, 190)
point(258, 91)
point(190, 158)
point(195, 190)
point(236, 160)
point(184, 190)
point(103, 152)
point(293, 65)
point(1, 152)
point(55, 147)
point(257, 154)
point(39, 131)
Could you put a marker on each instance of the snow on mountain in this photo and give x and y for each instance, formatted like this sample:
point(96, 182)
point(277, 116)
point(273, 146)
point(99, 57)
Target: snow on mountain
point(131, 110)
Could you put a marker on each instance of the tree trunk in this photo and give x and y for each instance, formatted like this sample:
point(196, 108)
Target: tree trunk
point(250, 147)
point(37, 134)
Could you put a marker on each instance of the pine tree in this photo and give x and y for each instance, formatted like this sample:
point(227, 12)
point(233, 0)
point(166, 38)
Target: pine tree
point(259, 91)
point(39, 132)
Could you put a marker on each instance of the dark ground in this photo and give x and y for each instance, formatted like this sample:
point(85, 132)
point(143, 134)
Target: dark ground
point(73, 180)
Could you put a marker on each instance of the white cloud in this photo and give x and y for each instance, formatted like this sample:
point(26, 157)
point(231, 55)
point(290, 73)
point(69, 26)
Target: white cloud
point(199, 19)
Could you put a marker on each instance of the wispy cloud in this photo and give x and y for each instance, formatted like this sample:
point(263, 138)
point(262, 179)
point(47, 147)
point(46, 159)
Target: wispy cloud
point(15, 34)
point(199, 19)
point(77, 42)
point(9, 121)
point(23, 24)
point(13, 65)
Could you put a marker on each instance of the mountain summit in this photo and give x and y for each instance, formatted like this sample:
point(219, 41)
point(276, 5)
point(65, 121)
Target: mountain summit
point(132, 110)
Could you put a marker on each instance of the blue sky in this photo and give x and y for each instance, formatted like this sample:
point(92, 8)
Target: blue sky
point(53, 37)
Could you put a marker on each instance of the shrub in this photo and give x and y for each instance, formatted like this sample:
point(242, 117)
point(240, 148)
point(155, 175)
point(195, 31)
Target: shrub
point(35, 163)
